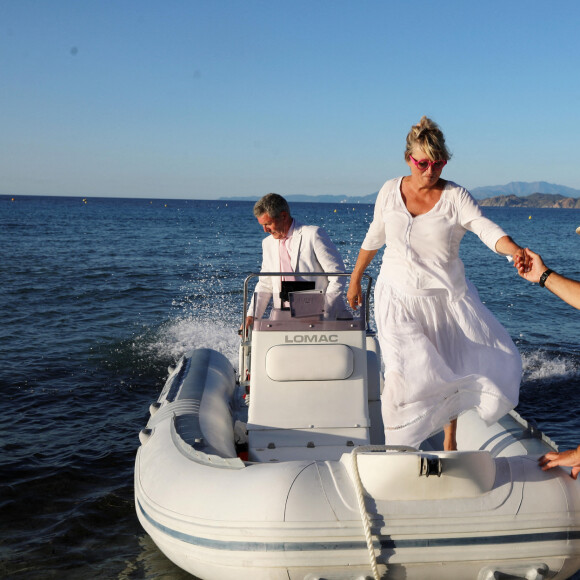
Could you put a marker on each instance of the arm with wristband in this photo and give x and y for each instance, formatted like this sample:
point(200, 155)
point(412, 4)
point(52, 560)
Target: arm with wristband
point(565, 288)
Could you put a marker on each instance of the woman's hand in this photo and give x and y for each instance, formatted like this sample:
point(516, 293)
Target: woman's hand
point(354, 294)
point(521, 261)
point(506, 246)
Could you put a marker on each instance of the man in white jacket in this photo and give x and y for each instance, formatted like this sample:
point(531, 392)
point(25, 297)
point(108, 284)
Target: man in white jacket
point(294, 247)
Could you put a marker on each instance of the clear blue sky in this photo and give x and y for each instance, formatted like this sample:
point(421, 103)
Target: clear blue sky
point(201, 99)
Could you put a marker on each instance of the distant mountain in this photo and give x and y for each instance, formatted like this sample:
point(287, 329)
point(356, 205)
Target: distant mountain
point(514, 194)
point(522, 188)
point(550, 200)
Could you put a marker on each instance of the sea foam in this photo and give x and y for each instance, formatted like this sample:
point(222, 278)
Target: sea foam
point(546, 365)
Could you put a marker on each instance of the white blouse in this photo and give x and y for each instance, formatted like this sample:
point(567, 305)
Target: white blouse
point(422, 252)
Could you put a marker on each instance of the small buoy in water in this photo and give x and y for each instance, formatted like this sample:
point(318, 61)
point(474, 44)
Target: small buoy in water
point(530, 218)
point(578, 230)
point(13, 199)
point(334, 211)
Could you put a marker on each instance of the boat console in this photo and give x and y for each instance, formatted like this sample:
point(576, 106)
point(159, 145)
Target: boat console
point(312, 370)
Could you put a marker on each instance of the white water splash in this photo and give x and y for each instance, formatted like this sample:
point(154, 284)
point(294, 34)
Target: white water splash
point(183, 334)
point(544, 365)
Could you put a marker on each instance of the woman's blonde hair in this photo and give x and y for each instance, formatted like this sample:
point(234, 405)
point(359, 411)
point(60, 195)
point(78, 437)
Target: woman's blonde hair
point(428, 136)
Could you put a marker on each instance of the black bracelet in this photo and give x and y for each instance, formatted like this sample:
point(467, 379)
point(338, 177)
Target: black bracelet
point(544, 277)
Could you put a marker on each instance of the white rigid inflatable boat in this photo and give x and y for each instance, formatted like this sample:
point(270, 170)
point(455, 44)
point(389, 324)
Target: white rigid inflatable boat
point(298, 484)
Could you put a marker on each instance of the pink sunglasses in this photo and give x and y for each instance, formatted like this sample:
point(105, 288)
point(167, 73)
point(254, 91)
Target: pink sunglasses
point(423, 164)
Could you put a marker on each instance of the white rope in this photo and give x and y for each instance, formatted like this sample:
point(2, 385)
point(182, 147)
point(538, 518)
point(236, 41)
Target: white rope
point(361, 506)
point(361, 500)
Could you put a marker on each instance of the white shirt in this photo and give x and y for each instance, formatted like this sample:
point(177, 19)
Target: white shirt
point(422, 252)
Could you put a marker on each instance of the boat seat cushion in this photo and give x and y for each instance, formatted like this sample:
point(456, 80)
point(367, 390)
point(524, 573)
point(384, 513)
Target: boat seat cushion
point(308, 362)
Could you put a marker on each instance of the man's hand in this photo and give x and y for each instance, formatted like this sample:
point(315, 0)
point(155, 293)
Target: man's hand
point(249, 324)
point(536, 267)
point(570, 458)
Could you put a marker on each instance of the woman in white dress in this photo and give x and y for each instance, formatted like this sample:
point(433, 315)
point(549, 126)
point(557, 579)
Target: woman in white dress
point(443, 350)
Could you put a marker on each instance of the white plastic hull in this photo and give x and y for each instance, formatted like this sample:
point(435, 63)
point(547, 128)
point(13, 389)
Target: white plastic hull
point(220, 518)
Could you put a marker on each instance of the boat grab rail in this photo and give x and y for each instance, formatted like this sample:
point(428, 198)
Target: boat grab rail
point(303, 274)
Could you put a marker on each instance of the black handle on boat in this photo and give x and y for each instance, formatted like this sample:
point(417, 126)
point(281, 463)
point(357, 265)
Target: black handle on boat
point(303, 274)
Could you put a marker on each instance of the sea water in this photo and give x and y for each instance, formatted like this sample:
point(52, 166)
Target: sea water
point(98, 296)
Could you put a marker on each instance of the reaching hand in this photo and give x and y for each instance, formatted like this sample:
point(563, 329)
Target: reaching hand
point(535, 266)
point(570, 458)
point(521, 261)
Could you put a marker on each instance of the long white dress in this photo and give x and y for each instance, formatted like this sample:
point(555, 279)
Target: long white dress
point(443, 350)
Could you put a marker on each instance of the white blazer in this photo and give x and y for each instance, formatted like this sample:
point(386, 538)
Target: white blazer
point(311, 250)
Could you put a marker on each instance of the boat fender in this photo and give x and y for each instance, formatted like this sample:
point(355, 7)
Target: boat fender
point(153, 408)
point(145, 435)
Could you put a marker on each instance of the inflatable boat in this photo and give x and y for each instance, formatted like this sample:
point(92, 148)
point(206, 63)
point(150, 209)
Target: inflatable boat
point(280, 470)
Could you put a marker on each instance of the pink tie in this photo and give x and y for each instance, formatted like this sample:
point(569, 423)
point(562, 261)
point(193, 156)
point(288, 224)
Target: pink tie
point(285, 263)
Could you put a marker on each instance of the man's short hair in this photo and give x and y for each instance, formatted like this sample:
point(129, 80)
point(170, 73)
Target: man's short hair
point(272, 204)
